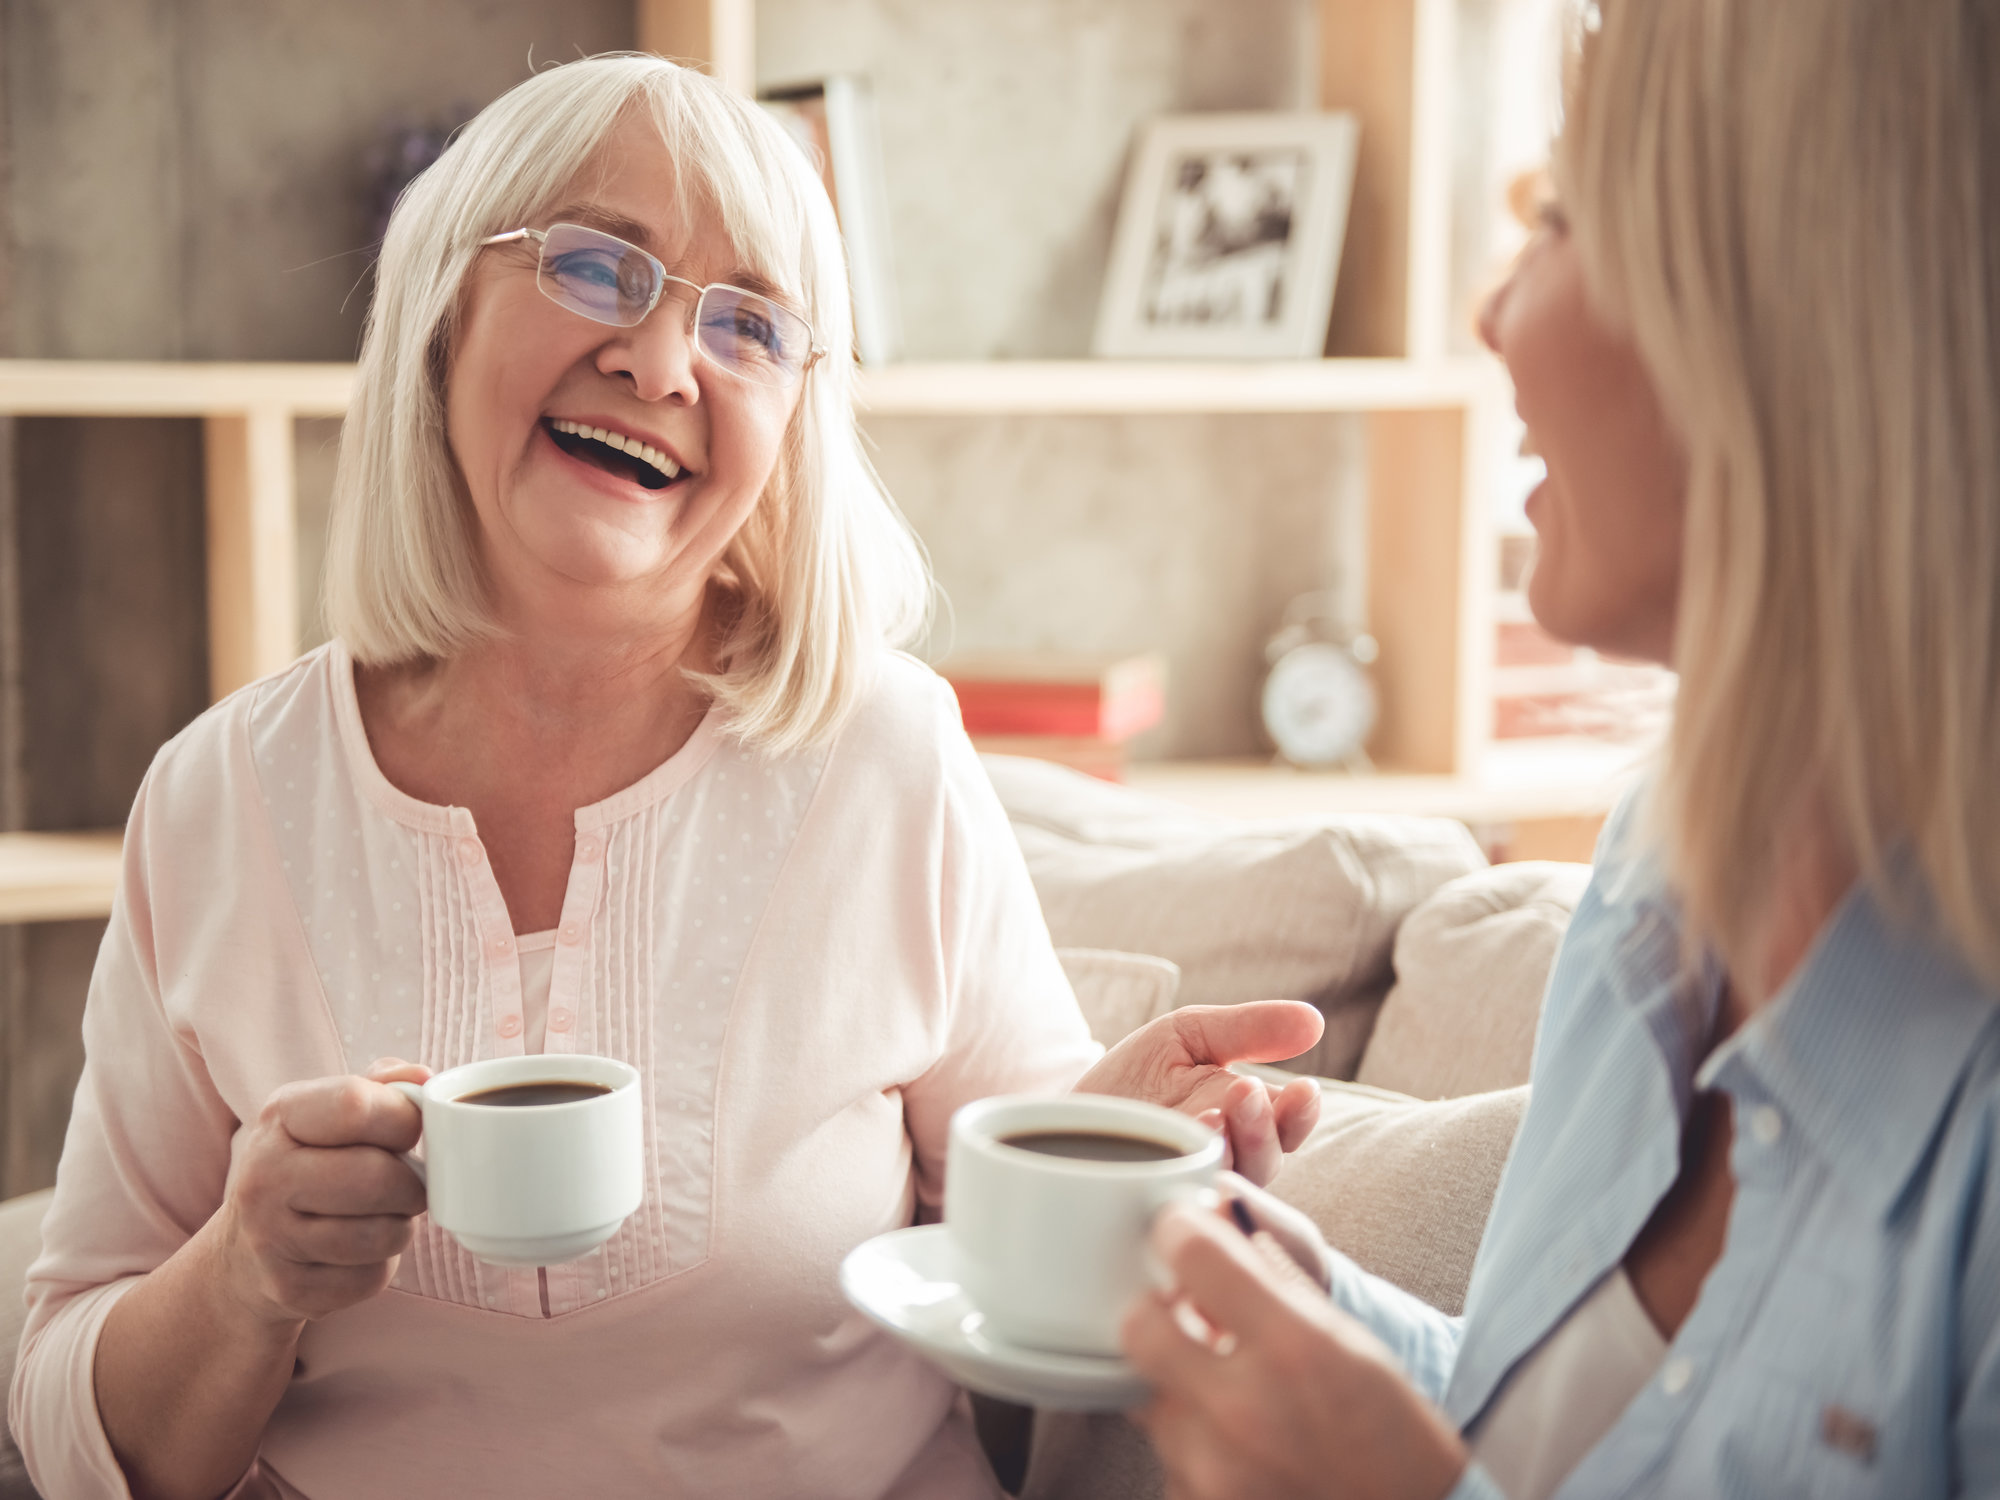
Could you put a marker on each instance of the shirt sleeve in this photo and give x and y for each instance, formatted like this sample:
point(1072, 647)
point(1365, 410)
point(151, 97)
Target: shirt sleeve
point(1475, 1484)
point(143, 1166)
point(1013, 1022)
point(1423, 1340)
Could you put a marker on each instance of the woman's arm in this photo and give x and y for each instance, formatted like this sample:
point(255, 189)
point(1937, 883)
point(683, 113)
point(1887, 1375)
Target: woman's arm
point(195, 1357)
point(160, 1318)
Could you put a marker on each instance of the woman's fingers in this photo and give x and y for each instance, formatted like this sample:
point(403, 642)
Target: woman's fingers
point(1218, 1270)
point(1256, 1031)
point(1295, 1107)
point(351, 1180)
point(346, 1111)
point(1253, 1132)
point(1293, 1233)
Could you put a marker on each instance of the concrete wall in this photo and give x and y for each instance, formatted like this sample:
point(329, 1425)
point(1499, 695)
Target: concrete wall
point(184, 179)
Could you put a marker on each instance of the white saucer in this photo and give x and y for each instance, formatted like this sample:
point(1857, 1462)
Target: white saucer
point(907, 1282)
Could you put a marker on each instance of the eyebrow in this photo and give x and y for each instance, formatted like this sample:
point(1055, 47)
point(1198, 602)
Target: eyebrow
point(594, 216)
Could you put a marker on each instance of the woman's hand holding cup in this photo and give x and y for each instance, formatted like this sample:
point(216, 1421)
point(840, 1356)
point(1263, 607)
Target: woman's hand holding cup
point(318, 1205)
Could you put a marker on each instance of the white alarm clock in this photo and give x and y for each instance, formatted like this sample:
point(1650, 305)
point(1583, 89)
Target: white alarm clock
point(1319, 704)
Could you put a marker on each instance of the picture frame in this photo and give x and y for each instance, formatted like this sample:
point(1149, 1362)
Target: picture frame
point(1228, 238)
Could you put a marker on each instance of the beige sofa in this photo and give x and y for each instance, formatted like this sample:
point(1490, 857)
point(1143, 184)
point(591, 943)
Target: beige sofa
point(1427, 964)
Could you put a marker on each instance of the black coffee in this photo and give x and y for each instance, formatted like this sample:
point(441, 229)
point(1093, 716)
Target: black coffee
point(1093, 1145)
point(518, 1095)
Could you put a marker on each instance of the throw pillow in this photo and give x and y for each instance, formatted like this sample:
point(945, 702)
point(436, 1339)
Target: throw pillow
point(1471, 965)
point(1119, 992)
point(1303, 909)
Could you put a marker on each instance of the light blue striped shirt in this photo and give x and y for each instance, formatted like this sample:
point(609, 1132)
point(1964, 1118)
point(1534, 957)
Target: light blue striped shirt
point(1847, 1342)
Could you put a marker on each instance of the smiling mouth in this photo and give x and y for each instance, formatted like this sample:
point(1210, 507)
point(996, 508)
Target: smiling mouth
point(617, 462)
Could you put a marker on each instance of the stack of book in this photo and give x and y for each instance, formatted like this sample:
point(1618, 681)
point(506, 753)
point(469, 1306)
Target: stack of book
point(1079, 711)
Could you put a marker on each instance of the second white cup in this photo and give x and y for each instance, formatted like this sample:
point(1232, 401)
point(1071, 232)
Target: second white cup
point(1048, 1201)
point(531, 1183)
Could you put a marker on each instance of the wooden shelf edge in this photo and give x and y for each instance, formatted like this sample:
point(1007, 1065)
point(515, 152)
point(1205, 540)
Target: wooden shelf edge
point(82, 388)
point(117, 388)
point(56, 877)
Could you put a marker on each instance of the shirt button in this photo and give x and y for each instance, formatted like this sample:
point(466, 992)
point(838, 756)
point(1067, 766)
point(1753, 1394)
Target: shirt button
point(510, 1027)
point(570, 933)
point(1766, 1124)
point(559, 1020)
point(469, 852)
point(588, 847)
point(502, 946)
point(1675, 1377)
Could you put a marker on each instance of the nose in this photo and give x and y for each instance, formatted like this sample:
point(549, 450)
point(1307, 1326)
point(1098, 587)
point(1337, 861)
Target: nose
point(658, 355)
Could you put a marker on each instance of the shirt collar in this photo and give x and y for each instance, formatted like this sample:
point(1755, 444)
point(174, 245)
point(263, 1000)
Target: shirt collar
point(1865, 1045)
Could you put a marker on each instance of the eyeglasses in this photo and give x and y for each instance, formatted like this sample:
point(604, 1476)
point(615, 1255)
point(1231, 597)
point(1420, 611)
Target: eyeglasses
point(608, 280)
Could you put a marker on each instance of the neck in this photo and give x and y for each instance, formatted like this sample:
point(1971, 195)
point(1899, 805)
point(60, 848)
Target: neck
point(1813, 874)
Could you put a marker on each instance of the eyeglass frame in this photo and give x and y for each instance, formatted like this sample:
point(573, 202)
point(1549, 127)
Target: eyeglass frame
point(815, 351)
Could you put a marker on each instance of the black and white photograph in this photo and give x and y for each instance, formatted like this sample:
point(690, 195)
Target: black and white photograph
point(1228, 237)
point(1224, 230)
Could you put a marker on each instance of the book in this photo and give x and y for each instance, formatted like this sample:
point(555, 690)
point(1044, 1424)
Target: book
point(1109, 699)
point(833, 120)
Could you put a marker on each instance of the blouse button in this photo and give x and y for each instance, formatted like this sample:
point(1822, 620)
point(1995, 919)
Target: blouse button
point(1767, 1125)
point(469, 852)
point(510, 1027)
point(588, 847)
point(570, 933)
point(559, 1020)
point(502, 946)
point(1675, 1377)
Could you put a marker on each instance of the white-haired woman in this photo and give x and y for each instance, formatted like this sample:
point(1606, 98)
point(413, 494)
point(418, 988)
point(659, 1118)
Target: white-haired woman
point(611, 755)
point(1748, 1243)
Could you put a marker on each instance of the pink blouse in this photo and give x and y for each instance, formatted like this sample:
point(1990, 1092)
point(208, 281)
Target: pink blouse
point(813, 960)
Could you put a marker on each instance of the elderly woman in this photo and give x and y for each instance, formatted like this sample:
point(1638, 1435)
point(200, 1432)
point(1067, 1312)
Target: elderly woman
point(611, 755)
point(1748, 1243)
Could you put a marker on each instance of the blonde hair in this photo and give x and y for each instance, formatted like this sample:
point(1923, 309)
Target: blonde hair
point(823, 574)
point(1794, 206)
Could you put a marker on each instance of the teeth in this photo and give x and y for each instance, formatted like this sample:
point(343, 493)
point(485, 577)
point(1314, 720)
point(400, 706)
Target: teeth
point(618, 440)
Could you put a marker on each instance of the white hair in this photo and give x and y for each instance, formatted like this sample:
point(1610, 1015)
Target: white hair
point(823, 574)
point(1794, 205)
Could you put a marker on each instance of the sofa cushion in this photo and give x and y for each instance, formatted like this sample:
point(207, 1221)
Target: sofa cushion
point(1403, 1186)
point(1119, 992)
point(1471, 965)
point(1302, 910)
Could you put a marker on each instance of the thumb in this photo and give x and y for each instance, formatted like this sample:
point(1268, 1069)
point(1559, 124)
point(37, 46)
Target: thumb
point(1259, 1031)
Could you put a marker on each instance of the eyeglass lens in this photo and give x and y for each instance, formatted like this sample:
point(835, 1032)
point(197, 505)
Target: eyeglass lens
point(609, 281)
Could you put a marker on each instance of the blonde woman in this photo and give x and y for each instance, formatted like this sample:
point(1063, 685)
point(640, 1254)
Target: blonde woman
point(1748, 1243)
point(611, 755)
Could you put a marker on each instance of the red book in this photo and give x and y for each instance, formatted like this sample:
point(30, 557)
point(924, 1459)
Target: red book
point(1076, 697)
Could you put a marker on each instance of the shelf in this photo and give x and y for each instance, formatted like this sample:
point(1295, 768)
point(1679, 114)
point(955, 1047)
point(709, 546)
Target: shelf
point(84, 388)
point(54, 877)
point(106, 388)
point(1105, 387)
point(1517, 782)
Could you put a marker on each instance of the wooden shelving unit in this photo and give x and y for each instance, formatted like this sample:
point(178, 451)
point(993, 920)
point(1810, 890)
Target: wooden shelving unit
point(54, 877)
point(1431, 422)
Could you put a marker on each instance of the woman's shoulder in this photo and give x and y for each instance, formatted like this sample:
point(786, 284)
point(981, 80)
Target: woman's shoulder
point(289, 712)
point(906, 717)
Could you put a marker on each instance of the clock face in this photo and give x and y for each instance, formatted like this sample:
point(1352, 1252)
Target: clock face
point(1318, 705)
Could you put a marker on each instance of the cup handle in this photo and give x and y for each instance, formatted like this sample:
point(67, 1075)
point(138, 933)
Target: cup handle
point(415, 1094)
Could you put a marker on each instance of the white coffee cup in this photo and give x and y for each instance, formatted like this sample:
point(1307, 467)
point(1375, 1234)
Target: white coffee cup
point(1052, 1249)
point(533, 1184)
